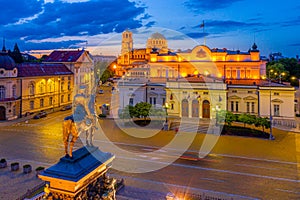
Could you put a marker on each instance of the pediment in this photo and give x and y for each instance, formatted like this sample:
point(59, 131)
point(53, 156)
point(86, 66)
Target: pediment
point(234, 97)
point(250, 98)
point(277, 101)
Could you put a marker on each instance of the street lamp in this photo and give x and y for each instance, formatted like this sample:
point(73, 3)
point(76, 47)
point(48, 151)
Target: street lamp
point(271, 137)
point(280, 76)
point(166, 124)
point(216, 109)
point(115, 67)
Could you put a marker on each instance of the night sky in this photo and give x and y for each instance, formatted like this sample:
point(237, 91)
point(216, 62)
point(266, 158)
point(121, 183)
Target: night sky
point(234, 24)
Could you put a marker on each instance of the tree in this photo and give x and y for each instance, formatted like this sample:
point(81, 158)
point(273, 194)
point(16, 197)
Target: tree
point(246, 119)
point(229, 118)
point(263, 122)
point(277, 69)
point(127, 113)
point(142, 109)
point(16, 54)
point(106, 75)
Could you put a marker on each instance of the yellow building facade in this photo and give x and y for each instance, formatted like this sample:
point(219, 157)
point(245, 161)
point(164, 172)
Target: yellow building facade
point(45, 86)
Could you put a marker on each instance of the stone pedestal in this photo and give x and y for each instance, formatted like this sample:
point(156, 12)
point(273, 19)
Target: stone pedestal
point(80, 176)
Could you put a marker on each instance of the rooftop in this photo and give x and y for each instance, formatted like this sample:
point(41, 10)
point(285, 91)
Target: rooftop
point(64, 56)
point(42, 69)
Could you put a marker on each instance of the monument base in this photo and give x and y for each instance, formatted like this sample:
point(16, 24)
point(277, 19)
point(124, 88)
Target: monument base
point(80, 177)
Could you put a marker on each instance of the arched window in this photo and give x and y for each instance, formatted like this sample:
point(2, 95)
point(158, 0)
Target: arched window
point(2, 92)
point(42, 87)
point(31, 88)
point(14, 91)
point(41, 103)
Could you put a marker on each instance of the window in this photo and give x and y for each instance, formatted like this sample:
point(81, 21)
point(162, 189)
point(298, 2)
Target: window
point(69, 85)
point(250, 92)
point(252, 107)
point(232, 106)
point(195, 92)
point(234, 91)
point(131, 101)
point(62, 86)
point(276, 93)
point(205, 93)
point(163, 101)
point(154, 100)
point(50, 101)
point(184, 92)
point(42, 87)
point(31, 88)
point(150, 100)
point(14, 91)
point(41, 103)
point(248, 107)
point(152, 88)
point(62, 98)
point(276, 110)
point(31, 104)
point(2, 92)
point(236, 106)
point(69, 97)
point(172, 106)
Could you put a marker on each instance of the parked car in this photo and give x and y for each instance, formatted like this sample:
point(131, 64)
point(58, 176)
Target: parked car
point(101, 91)
point(68, 107)
point(40, 115)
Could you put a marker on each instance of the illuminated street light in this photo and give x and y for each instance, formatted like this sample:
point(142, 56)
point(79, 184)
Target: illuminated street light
point(280, 76)
point(271, 137)
point(166, 124)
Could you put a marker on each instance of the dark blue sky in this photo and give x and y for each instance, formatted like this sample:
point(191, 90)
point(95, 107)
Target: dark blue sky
point(234, 24)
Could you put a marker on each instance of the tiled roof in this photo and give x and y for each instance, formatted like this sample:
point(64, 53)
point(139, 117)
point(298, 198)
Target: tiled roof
point(42, 69)
point(64, 56)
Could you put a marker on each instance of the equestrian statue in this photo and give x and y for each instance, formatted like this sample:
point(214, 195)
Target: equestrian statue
point(83, 120)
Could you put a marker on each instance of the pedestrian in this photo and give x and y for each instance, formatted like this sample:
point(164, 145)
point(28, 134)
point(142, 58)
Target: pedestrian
point(176, 130)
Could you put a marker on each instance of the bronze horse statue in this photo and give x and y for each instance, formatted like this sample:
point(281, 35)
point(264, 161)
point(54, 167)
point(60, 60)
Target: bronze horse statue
point(70, 130)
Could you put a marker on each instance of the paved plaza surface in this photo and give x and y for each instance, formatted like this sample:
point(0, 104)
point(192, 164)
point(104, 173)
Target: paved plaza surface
point(236, 167)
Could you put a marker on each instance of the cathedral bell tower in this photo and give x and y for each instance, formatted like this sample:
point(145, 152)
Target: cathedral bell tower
point(127, 42)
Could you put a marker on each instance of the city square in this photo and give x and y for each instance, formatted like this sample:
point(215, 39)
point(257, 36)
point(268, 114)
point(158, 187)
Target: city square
point(144, 100)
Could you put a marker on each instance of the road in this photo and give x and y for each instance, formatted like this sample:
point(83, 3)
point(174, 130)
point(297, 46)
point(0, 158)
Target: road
point(241, 168)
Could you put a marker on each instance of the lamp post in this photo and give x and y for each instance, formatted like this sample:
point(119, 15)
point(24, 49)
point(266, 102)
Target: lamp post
point(216, 109)
point(271, 131)
point(166, 124)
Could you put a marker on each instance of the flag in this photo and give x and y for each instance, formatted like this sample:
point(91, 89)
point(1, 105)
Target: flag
point(202, 25)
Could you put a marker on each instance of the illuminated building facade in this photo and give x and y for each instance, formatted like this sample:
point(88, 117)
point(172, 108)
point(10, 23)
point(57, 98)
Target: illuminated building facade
point(45, 86)
point(80, 62)
point(10, 92)
point(31, 87)
point(201, 81)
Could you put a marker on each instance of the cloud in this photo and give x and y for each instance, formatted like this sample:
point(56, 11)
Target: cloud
point(293, 22)
point(295, 45)
point(204, 5)
point(61, 18)
point(222, 26)
point(196, 35)
point(13, 11)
